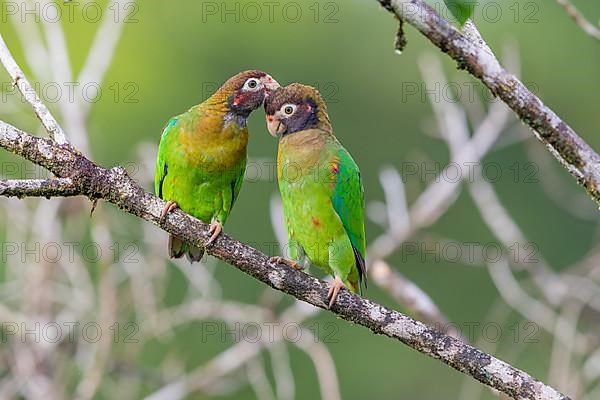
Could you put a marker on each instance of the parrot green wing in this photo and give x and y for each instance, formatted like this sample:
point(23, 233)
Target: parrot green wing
point(348, 201)
point(161, 166)
point(236, 185)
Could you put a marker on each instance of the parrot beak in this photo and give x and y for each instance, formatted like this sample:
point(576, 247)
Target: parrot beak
point(269, 83)
point(274, 126)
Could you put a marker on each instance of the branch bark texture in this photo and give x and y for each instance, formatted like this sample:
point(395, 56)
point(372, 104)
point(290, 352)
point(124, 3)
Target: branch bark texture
point(582, 162)
point(115, 186)
point(63, 187)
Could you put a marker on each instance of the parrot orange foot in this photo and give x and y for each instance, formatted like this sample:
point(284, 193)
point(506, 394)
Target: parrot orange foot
point(170, 206)
point(289, 263)
point(214, 230)
point(335, 288)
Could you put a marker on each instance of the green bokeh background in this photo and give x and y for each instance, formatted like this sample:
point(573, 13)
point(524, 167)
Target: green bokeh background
point(174, 52)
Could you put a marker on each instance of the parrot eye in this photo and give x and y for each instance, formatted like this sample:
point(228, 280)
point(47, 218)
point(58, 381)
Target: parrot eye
point(288, 109)
point(251, 84)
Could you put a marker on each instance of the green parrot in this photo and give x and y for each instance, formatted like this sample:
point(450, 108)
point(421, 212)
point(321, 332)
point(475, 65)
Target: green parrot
point(321, 189)
point(202, 156)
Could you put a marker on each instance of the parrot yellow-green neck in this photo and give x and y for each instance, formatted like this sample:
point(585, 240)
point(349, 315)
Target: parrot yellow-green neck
point(239, 96)
point(220, 103)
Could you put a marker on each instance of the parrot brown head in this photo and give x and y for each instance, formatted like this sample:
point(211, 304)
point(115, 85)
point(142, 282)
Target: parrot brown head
point(246, 91)
point(295, 108)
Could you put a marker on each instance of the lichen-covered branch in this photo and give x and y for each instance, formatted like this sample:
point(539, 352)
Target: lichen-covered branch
point(561, 140)
point(115, 186)
point(62, 187)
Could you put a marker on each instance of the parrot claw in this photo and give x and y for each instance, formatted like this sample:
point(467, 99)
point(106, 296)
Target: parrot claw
point(335, 288)
point(285, 261)
point(170, 206)
point(214, 230)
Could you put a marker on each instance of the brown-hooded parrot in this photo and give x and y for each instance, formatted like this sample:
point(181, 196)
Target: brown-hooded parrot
point(202, 155)
point(321, 189)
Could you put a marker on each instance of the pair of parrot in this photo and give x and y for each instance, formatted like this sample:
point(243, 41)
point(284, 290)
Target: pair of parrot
point(202, 159)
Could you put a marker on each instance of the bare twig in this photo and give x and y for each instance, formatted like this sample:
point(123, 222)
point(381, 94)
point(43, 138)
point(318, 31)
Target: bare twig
point(34, 49)
point(323, 363)
point(574, 293)
point(204, 377)
point(42, 112)
point(404, 291)
point(408, 294)
point(438, 196)
point(589, 28)
point(62, 187)
point(282, 372)
point(103, 48)
point(201, 378)
point(582, 162)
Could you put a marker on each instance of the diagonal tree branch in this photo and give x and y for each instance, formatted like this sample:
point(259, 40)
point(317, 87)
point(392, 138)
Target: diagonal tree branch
point(78, 175)
point(471, 53)
point(115, 186)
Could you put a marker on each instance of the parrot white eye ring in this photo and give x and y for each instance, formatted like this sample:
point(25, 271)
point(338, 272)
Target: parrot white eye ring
point(288, 109)
point(251, 84)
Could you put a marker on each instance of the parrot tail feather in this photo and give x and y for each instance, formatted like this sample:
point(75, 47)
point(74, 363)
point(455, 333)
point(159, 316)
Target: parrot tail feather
point(362, 268)
point(194, 253)
point(177, 248)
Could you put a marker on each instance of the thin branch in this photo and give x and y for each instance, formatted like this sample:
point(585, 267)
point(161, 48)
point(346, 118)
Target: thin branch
point(408, 294)
point(103, 48)
point(257, 377)
point(572, 11)
point(202, 377)
point(582, 162)
point(42, 112)
point(62, 187)
point(452, 122)
point(236, 356)
point(282, 372)
point(324, 365)
point(116, 187)
point(440, 195)
point(34, 49)
point(57, 48)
